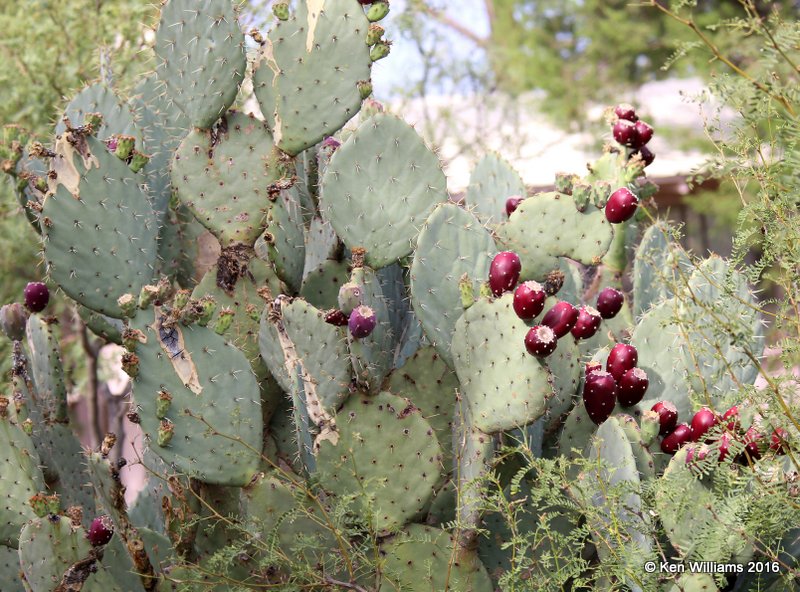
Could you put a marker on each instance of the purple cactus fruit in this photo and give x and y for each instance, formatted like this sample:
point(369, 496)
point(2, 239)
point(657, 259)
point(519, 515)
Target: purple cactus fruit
point(702, 421)
point(362, 322)
point(625, 111)
point(599, 395)
point(622, 358)
point(336, 318)
point(13, 318)
point(36, 296)
point(632, 387)
point(732, 416)
point(588, 323)
point(561, 318)
point(512, 203)
point(777, 440)
point(625, 133)
point(644, 133)
point(676, 438)
point(100, 531)
point(645, 154)
point(540, 341)
point(529, 300)
point(724, 443)
point(753, 441)
point(621, 206)
point(667, 416)
point(609, 302)
point(504, 272)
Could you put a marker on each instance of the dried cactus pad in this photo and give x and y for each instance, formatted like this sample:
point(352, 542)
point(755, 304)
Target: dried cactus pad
point(379, 188)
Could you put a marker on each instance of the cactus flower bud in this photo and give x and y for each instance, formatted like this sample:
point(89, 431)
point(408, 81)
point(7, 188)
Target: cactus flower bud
point(380, 51)
point(467, 291)
point(374, 34)
point(224, 320)
point(148, 294)
point(209, 306)
point(94, 120)
point(650, 426)
point(166, 430)
point(12, 320)
point(364, 88)
point(281, 11)
point(130, 364)
point(138, 160)
point(163, 403)
point(127, 303)
point(124, 147)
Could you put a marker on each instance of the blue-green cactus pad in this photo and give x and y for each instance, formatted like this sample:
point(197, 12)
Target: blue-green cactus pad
point(201, 57)
point(306, 78)
point(451, 243)
point(100, 238)
point(492, 182)
point(99, 98)
point(379, 188)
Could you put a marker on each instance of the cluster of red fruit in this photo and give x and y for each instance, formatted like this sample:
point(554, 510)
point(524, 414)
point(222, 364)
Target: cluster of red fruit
point(676, 435)
point(621, 382)
point(633, 133)
point(562, 318)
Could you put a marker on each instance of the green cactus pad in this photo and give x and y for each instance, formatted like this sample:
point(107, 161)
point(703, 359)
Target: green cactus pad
point(577, 432)
point(503, 385)
point(322, 350)
point(321, 285)
point(119, 566)
point(424, 558)
point(100, 241)
point(222, 175)
point(101, 325)
point(201, 57)
point(473, 451)
point(657, 268)
point(49, 546)
point(584, 237)
point(10, 570)
point(427, 381)
point(321, 244)
point(283, 430)
point(118, 119)
point(21, 478)
point(492, 182)
point(451, 243)
point(393, 483)
point(284, 238)
point(50, 403)
point(406, 329)
point(641, 454)
point(306, 78)
point(278, 510)
point(692, 514)
point(379, 188)
point(178, 248)
point(372, 356)
point(207, 378)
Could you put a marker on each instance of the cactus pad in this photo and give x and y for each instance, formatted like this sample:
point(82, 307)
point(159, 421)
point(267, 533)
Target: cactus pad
point(492, 182)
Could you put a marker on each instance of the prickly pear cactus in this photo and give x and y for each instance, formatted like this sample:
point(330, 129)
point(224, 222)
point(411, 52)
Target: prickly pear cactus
point(341, 377)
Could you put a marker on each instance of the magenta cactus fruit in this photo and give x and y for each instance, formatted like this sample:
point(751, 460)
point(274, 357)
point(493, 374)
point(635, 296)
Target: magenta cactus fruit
point(625, 111)
point(362, 322)
point(331, 143)
point(724, 446)
point(645, 154)
point(676, 438)
point(667, 416)
point(540, 341)
point(621, 206)
point(622, 358)
point(753, 441)
point(100, 531)
point(588, 323)
point(732, 417)
point(37, 296)
point(625, 133)
point(696, 454)
point(336, 318)
point(702, 421)
point(504, 272)
point(632, 387)
point(599, 395)
point(529, 300)
point(561, 318)
point(609, 302)
point(644, 133)
point(777, 440)
point(512, 203)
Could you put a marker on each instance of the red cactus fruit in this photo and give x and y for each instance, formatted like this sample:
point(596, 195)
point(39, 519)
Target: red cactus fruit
point(632, 387)
point(599, 395)
point(645, 154)
point(644, 133)
point(724, 444)
point(732, 416)
point(625, 111)
point(336, 318)
point(621, 206)
point(625, 133)
point(702, 421)
point(561, 318)
point(588, 323)
point(676, 438)
point(512, 203)
point(667, 416)
point(529, 300)
point(100, 531)
point(778, 439)
point(540, 341)
point(753, 442)
point(609, 302)
point(504, 272)
point(36, 296)
point(622, 358)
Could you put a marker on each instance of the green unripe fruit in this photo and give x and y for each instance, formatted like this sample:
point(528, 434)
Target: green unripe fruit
point(467, 291)
point(374, 34)
point(651, 424)
point(281, 11)
point(125, 146)
point(209, 306)
point(350, 296)
point(377, 11)
point(224, 321)
point(365, 88)
point(138, 160)
point(166, 430)
point(12, 320)
point(127, 303)
point(380, 51)
point(163, 403)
